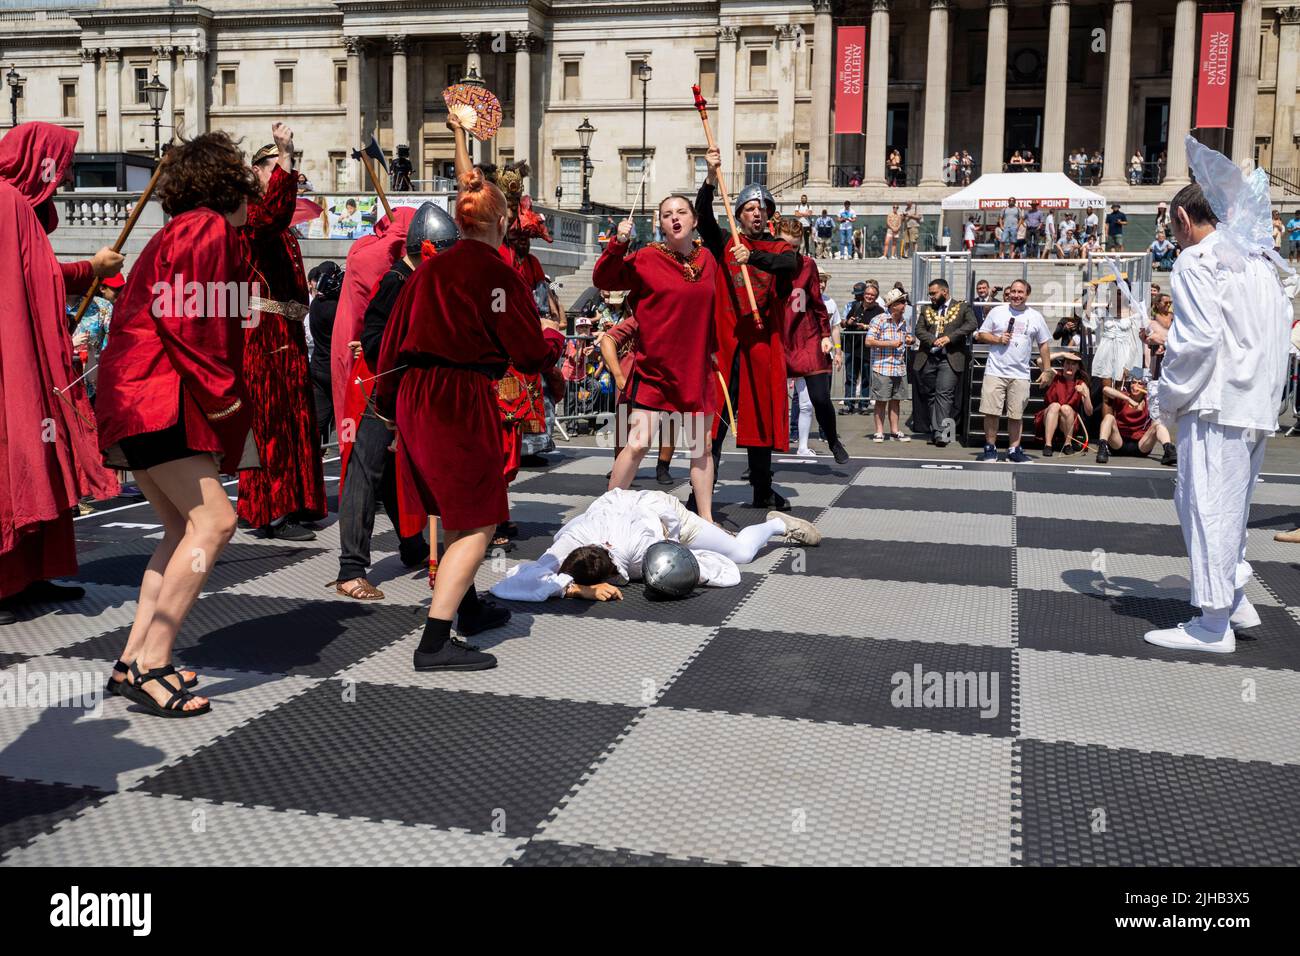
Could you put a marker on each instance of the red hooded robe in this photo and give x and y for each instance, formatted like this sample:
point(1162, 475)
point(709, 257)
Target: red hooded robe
point(49, 456)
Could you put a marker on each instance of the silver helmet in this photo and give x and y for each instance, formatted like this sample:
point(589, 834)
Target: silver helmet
point(431, 223)
point(670, 570)
point(755, 191)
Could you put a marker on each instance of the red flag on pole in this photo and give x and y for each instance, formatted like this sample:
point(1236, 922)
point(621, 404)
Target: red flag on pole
point(850, 78)
point(1214, 72)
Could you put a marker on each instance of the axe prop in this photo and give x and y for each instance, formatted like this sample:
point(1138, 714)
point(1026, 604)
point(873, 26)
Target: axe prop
point(373, 152)
point(121, 239)
point(703, 108)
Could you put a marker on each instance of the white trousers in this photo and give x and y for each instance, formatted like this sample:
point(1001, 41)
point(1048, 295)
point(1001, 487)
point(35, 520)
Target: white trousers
point(741, 547)
point(1217, 468)
point(805, 411)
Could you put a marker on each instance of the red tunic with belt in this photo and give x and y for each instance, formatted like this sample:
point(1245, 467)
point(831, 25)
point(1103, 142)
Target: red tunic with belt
point(806, 323)
point(762, 404)
point(290, 480)
point(49, 456)
point(456, 334)
point(1061, 391)
point(1132, 422)
point(171, 354)
point(671, 368)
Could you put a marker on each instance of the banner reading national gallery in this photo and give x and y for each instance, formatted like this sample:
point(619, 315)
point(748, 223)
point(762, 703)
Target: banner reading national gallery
point(1214, 72)
point(850, 78)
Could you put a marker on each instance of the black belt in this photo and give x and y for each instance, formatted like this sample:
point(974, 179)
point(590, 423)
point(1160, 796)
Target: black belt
point(425, 360)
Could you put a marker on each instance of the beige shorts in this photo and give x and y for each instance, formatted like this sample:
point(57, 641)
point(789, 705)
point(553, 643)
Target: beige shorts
point(1004, 396)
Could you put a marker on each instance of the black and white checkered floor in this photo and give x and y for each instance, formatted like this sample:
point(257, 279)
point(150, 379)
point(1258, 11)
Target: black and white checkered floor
point(770, 723)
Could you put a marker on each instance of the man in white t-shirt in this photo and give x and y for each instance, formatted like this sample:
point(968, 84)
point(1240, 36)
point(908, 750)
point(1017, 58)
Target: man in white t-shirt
point(1012, 331)
point(1049, 235)
point(1091, 223)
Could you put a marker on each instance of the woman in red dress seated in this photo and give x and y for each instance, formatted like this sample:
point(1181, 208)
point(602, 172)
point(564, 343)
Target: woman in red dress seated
point(461, 318)
point(1067, 397)
point(171, 402)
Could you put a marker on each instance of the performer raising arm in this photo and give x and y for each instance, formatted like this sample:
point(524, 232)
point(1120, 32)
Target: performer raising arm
point(460, 319)
point(673, 286)
point(750, 350)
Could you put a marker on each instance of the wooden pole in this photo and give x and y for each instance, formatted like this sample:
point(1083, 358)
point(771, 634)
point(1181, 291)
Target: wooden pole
point(379, 189)
point(121, 240)
point(703, 108)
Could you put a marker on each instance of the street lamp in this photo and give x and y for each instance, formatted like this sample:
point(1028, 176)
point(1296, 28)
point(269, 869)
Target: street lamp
point(643, 73)
point(155, 92)
point(585, 132)
point(15, 85)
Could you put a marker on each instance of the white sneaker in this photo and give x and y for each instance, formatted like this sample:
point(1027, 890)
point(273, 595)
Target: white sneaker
point(797, 530)
point(1244, 615)
point(1191, 636)
point(805, 452)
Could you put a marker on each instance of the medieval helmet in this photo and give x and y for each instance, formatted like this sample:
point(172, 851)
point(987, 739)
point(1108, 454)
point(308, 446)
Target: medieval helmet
point(670, 570)
point(755, 191)
point(431, 223)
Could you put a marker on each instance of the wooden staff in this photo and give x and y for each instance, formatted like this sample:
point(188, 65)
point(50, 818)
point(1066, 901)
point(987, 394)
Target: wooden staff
point(379, 189)
point(121, 241)
point(703, 108)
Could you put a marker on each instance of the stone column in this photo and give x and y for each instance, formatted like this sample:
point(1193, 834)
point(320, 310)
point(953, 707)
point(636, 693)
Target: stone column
point(523, 98)
point(936, 96)
point(401, 105)
point(1284, 109)
point(785, 163)
point(164, 73)
point(1115, 167)
point(1180, 95)
point(873, 163)
point(88, 98)
point(723, 117)
point(196, 90)
point(1058, 55)
point(1247, 82)
point(353, 47)
point(819, 144)
point(995, 90)
point(113, 97)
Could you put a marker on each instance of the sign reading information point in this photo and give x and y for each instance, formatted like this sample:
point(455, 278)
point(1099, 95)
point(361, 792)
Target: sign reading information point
point(1214, 72)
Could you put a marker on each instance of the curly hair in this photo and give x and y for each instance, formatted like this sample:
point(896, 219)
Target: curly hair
point(207, 171)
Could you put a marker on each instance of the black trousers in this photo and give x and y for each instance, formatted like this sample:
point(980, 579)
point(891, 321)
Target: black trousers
point(920, 417)
point(819, 393)
point(937, 392)
point(371, 478)
point(760, 459)
point(324, 402)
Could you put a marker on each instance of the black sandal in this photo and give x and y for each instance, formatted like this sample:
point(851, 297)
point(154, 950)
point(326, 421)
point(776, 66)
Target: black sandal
point(115, 686)
point(175, 705)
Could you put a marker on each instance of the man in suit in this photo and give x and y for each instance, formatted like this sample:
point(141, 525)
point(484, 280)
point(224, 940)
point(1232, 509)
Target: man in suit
point(943, 332)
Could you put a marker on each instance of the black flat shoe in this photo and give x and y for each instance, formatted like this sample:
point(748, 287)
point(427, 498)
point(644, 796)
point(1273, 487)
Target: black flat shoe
point(47, 592)
point(771, 502)
point(289, 531)
point(840, 453)
point(7, 617)
point(662, 475)
point(454, 656)
point(488, 616)
point(413, 556)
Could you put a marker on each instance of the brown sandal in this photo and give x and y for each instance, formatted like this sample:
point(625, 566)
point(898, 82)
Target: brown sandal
point(359, 589)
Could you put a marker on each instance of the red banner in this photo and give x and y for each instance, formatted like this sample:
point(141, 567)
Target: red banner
point(1214, 73)
point(850, 78)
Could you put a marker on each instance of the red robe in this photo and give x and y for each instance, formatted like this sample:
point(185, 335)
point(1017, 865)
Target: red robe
point(448, 420)
point(805, 323)
point(49, 457)
point(170, 354)
point(762, 404)
point(671, 368)
point(291, 480)
point(519, 394)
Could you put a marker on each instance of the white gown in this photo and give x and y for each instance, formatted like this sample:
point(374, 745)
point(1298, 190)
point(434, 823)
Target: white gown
point(1118, 347)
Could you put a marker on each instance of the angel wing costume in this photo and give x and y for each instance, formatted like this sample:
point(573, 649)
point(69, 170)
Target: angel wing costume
point(1221, 383)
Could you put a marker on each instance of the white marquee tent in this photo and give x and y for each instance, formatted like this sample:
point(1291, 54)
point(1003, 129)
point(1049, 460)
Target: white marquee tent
point(1049, 190)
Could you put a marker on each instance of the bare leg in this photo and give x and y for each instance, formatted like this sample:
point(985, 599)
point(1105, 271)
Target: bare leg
point(1050, 419)
point(1068, 421)
point(894, 406)
point(880, 418)
point(991, 429)
point(640, 427)
point(462, 554)
point(1014, 426)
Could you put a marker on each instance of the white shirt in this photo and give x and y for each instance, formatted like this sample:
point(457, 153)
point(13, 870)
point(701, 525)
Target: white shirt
point(969, 233)
point(1226, 355)
point(1049, 224)
point(1030, 331)
point(1068, 226)
point(1091, 221)
point(623, 522)
point(832, 310)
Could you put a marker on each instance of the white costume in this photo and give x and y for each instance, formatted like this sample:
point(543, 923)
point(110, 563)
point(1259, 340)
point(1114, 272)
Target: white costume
point(1221, 381)
point(626, 523)
point(1118, 347)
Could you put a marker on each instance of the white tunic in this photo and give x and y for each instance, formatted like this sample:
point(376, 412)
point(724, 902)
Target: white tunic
point(1226, 356)
point(625, 523)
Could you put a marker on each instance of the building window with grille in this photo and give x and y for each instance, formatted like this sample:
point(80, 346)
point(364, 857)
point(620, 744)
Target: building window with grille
point(571, 180)
point(699, 170)
point(572, 79)
point(286, 85)
point(758, 70)
point(339, 170)
point(708, 77)
point(633, 167)
point(756, 166)
point(141, 81)
point(69, 90)
point(229, 91)
point(340, 83)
